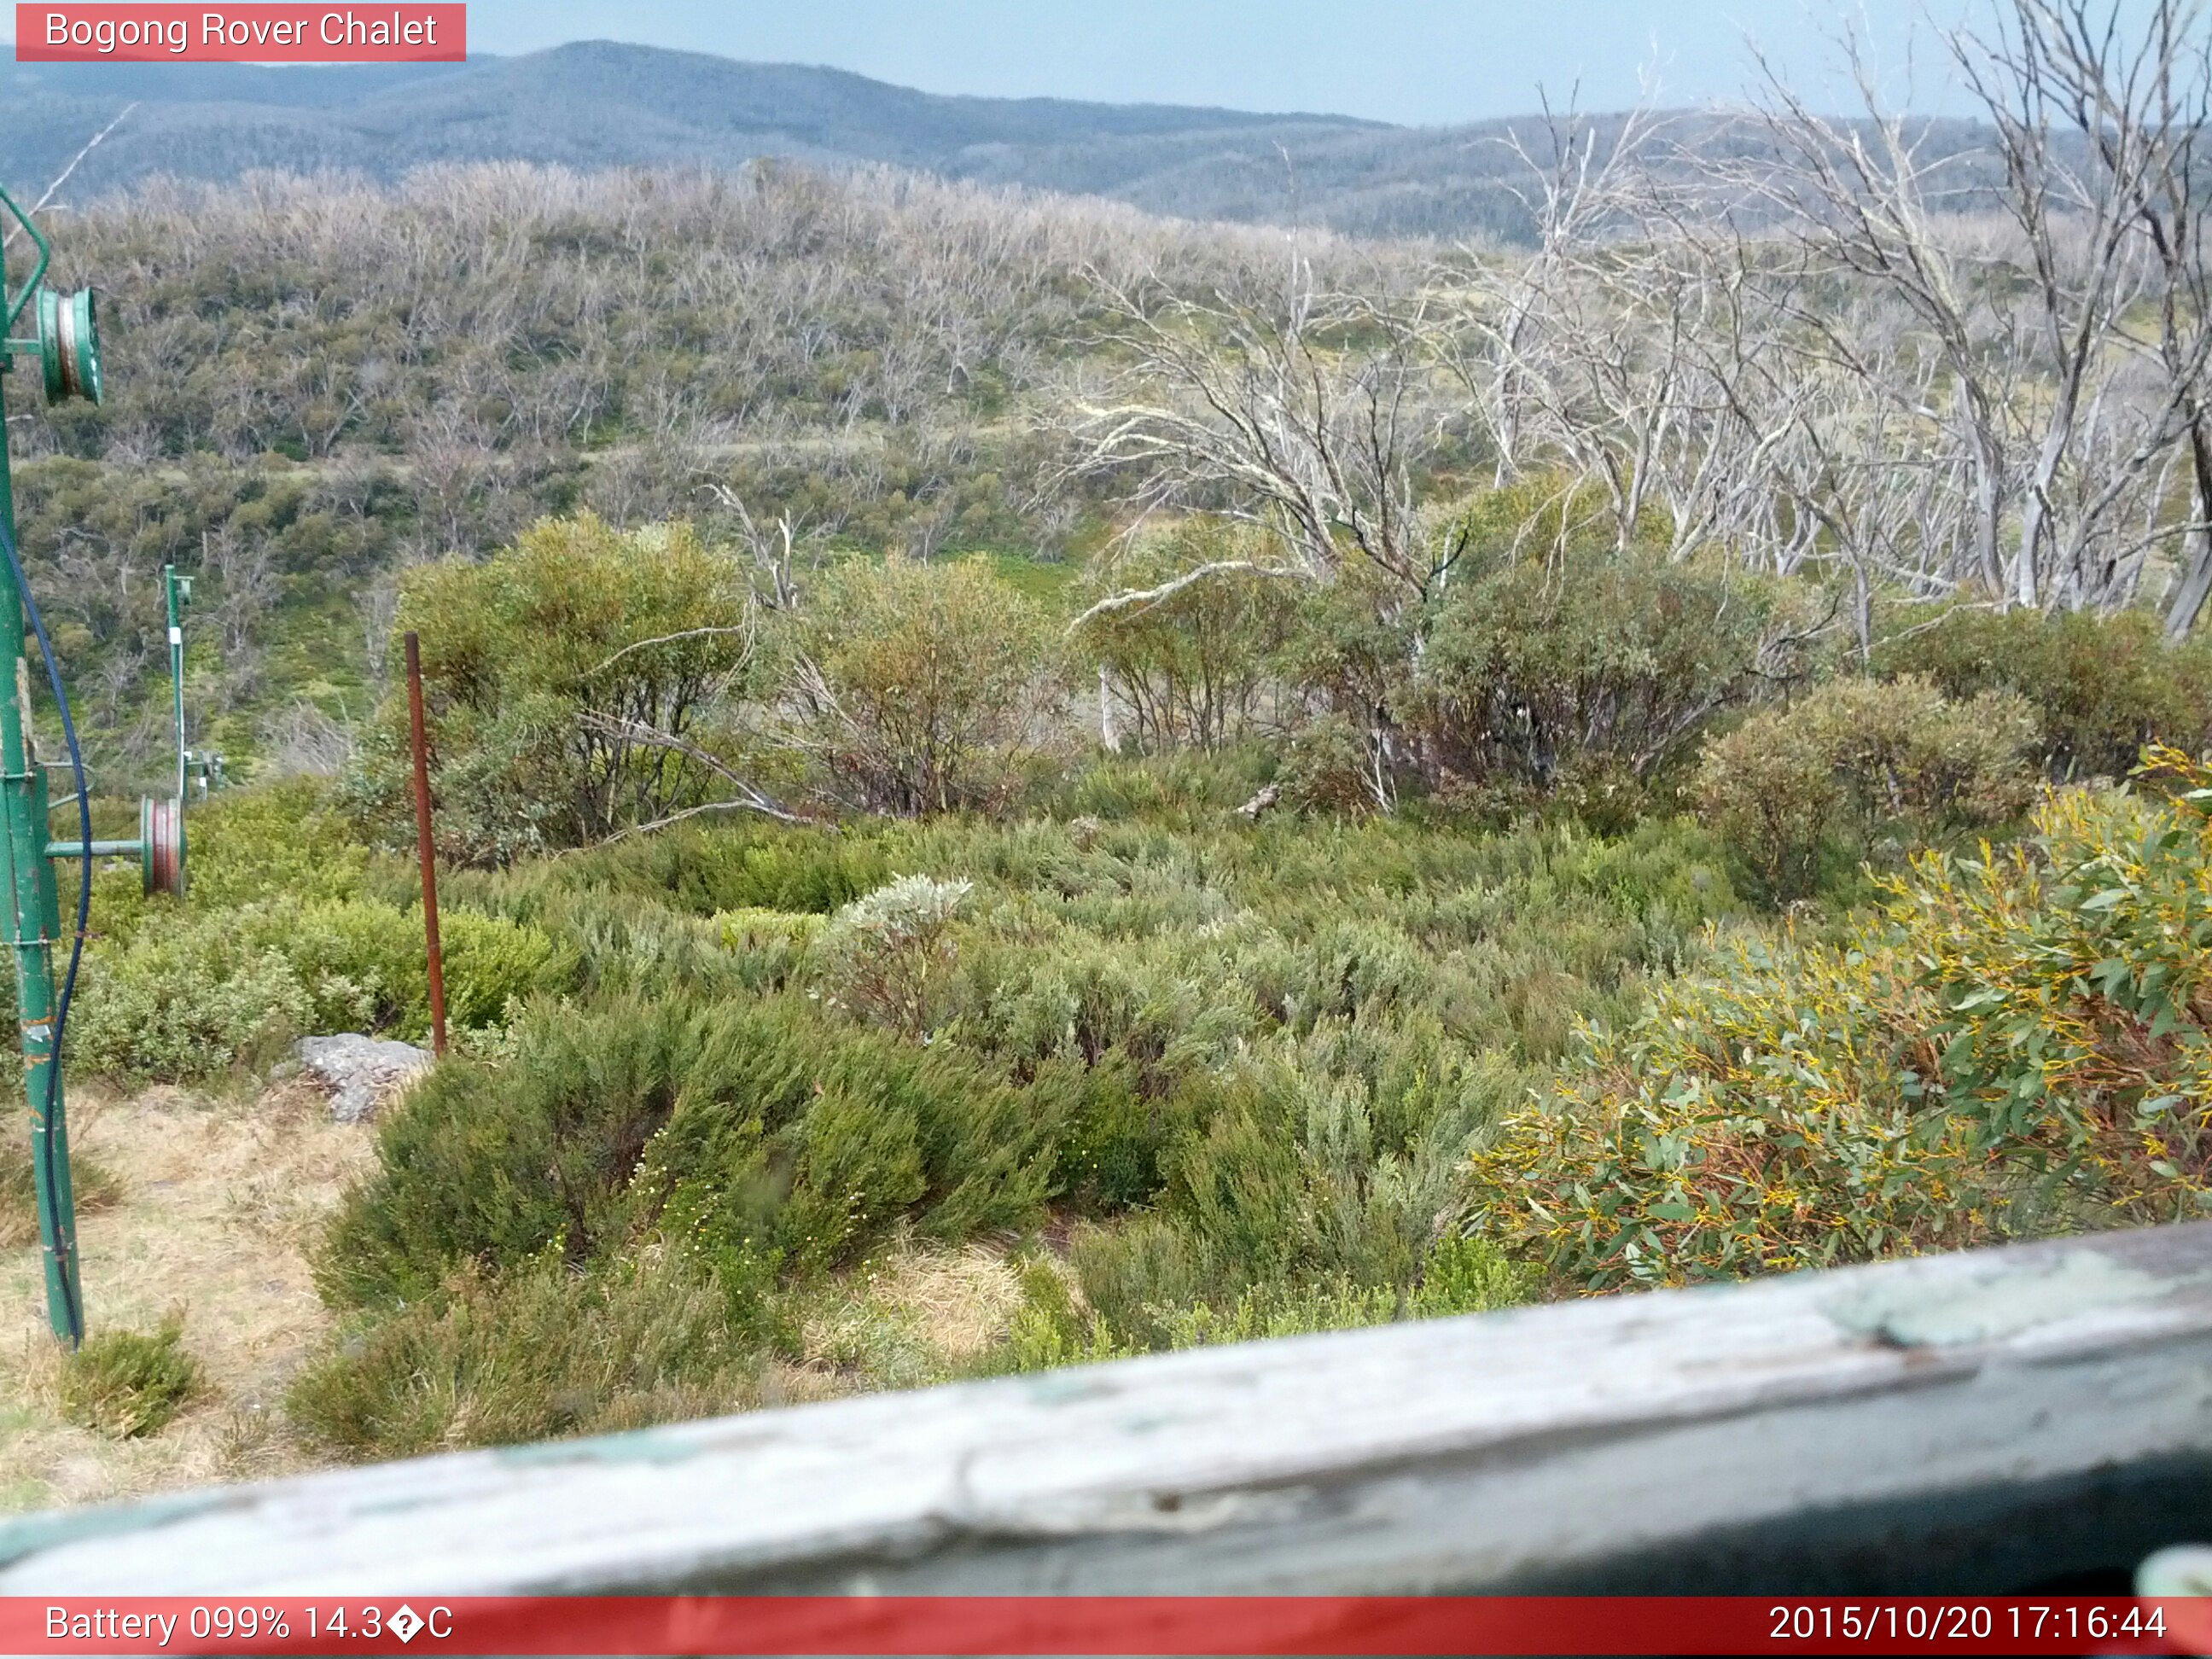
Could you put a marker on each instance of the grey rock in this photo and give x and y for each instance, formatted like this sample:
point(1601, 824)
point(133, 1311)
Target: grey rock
point(361, 1073)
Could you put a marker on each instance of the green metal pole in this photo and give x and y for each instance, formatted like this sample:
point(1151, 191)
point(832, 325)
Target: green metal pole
point(30, 920)
point(170, 583)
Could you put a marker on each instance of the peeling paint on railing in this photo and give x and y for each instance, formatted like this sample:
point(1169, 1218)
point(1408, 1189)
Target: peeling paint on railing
point(1981, 1421)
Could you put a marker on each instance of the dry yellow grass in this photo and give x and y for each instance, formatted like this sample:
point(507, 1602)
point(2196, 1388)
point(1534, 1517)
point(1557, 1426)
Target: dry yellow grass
point(219, 1202)
point(961, 1299)
point(913, 1315)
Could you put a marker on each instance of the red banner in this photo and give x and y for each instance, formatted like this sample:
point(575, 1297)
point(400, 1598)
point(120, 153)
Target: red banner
point(1078, 1624)
point(257, 33)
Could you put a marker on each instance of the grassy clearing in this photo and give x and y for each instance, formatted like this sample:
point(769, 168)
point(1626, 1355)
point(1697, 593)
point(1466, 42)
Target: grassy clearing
point(95, 1185)
point(205, 1317)
point(218, 1201)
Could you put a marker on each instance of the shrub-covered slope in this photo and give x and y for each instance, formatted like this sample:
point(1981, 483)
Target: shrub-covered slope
point(1228, 1077)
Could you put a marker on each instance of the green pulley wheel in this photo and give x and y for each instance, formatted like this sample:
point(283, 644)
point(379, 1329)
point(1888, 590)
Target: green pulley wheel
point(68, 345)
point(161, 845)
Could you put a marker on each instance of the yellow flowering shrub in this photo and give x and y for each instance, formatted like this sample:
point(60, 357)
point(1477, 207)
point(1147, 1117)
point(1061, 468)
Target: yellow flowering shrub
point(2020, 1042)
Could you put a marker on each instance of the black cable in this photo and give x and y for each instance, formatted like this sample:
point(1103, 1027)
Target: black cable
point(69, 1308)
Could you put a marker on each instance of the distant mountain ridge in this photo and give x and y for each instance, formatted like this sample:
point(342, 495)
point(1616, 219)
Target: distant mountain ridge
point(598, 103)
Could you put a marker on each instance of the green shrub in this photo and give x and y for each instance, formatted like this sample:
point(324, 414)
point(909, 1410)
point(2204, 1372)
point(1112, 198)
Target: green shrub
point(1240, 1184)
point(1047, 1330)
point(540, 665)
point(493, 1164)
point(196, 993)
point(729, 866)
point(884, 955)
point(121, 903)
point(797, 871)
point(365, 966)
point(537, 1354)
point(156, 1012)
point(916, 686)
point(126, 1384)
point(1185, 787)
point(270, 839)
point(1791, 789)
point(1194, 667)
point(490, 964)
point(783, 1136)
point(1543, 674)
point(1333, 765)
point(1147, 1292)
point(2103, 687)
point(626, 945)
point(1464, 1274)
point(2017, 1044)
point(774, 945)
point(1135, 1273)
point(1113, 1150)
point(859, 1165)
point(1271, 1311)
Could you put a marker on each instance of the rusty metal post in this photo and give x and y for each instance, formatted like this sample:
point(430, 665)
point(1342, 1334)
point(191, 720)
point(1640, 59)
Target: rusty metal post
point(425, 846)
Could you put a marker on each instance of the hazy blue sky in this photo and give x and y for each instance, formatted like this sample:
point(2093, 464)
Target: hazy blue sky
point(1395, 60)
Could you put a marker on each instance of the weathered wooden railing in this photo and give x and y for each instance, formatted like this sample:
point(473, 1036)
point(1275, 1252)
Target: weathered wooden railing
point(1994, 1421)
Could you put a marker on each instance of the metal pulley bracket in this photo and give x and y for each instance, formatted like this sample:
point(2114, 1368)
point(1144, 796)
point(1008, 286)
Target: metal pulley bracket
point(11, 305)
point(159, 848)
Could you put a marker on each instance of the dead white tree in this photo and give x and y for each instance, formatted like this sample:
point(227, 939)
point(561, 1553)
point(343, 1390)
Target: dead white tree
point(1311, 415)
point(773, 548)
point(2033, 315)
point(1868, 196)
point(1580, 182)
point(1312, 412)
point(2133, 93)
point(2078, 103)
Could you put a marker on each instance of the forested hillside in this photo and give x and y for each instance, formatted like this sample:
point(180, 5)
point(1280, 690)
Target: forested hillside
point(1020, 783)
point(315, 386)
